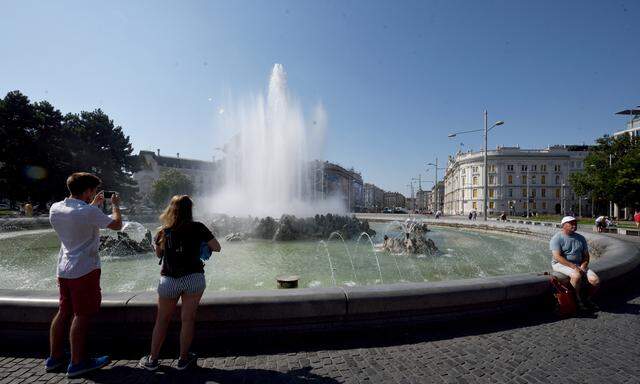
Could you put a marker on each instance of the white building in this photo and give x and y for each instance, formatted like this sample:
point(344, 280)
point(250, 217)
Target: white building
point(202, 173)
point(633, 125)
point(519, 181)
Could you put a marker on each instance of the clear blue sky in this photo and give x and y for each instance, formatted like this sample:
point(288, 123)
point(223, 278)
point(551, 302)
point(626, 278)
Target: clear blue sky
point(395, 77)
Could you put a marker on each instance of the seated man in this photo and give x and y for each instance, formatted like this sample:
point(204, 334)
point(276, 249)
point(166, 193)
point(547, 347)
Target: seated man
point(571, 257)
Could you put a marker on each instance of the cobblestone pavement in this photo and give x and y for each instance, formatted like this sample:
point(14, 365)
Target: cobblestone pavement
point(604, 348)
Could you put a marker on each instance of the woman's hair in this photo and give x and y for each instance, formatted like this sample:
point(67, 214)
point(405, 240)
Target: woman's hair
point(178, 212)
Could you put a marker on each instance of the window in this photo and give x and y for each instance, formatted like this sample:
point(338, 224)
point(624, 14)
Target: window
point(491, 192)
point(533, 179)
point(556, 167)
point(492, 168)
point(543, 179)
point(533, 205)
point(544, 205)
point(464, 171)
point(510, 192)
point(524, 192)
point(475, 180)
point(543, 167)
point(475, 205)
point(492, 179)
point(558, 193)
point(533, 193)
point(475, 193)
point(510, 179)
point(523, 168)
point(523, 179)
point(510, 167)
point(474, 169)
point(543, 192)
point(557, 179)
point(533, 167)
point(491, 204)
point(463, 180)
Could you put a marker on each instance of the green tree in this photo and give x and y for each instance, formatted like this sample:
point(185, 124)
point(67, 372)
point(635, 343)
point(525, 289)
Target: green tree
point(41, 147)
point(170, 183)
point(619, 181)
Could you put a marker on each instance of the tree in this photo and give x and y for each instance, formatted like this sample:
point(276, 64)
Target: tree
point(41, 147)
point(170, 183)
point(618, 182)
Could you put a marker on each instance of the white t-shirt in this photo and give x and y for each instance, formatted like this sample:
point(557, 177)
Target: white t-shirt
point(77, 224)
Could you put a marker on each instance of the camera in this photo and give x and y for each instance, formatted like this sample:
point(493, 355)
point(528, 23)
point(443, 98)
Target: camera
point(108, 194)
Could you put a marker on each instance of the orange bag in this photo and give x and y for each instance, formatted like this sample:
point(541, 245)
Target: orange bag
point(565, 299)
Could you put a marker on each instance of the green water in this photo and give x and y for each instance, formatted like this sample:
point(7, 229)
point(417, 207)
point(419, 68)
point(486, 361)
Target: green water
point(28, 261)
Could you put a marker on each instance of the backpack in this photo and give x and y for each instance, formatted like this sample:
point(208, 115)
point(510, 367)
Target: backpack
point(171, 251)
point(565, 303)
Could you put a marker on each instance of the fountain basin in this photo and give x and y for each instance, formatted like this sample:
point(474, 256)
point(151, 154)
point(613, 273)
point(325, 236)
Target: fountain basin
point(130, 316)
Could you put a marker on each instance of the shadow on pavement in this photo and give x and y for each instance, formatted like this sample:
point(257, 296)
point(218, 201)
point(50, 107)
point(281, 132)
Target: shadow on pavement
point(119, 374)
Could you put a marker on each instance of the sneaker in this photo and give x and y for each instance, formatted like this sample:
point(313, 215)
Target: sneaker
point(148, 363)
point(51, 364)
point(75, 370)
point(191, 360)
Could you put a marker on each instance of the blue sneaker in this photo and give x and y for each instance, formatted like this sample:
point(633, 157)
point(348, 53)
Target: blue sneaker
point(75, 370)
point(52, 364)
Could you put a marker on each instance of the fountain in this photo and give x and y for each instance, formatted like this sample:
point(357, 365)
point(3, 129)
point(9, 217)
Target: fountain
point(266, 163)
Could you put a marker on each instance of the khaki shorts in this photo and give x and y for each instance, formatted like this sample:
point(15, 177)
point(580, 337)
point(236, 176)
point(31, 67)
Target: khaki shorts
point(568, 271)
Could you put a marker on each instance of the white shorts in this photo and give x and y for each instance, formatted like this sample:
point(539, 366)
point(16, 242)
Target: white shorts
point(568, 271)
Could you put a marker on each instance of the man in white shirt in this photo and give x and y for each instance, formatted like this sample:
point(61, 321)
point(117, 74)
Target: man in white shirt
point(77, 220)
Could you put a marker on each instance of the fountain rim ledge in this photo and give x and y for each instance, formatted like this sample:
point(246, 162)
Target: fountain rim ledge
point(24, 312)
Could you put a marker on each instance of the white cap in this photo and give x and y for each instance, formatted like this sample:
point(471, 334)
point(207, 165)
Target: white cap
point(567, 219)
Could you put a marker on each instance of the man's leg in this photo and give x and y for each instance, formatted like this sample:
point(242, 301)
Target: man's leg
point(78, 337)
point(594, 281)
point(58, 334)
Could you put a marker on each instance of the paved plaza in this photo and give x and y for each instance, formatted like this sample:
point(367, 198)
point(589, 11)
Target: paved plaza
point(603, 348)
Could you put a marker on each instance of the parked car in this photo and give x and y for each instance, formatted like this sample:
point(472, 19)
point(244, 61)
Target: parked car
point(400, 210)
point(387, 210)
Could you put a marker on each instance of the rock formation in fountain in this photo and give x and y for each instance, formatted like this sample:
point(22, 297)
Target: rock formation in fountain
point(412, 241)
point(289, 227)
point(123, 245)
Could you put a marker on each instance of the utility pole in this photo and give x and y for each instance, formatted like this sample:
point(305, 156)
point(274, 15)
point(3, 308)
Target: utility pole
point(527, 177)
point(486, 177)
point(610, 202)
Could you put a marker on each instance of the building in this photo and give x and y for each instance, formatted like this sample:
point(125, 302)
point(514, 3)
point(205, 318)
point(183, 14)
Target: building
point(373, 198)
point(436, 201)
point(202, 173)
point(330, 180)
point(422, 199)
point(394, 199)
point(520, 181)
point(633, 125)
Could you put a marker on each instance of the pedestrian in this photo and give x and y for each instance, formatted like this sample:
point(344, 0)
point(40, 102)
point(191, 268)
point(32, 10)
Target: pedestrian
point(601, 223)
point(178, 245)
point(76, 220)
point(470, 215)
point(570, 256)
point(636, 219)
point(475, 215)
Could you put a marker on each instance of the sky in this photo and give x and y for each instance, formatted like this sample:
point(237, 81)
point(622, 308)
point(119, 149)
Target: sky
point(395, 77)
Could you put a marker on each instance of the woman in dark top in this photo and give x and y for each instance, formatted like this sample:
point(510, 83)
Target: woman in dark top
point(182, 276)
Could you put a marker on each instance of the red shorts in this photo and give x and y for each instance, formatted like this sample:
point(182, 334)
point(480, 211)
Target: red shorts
point(80, 296)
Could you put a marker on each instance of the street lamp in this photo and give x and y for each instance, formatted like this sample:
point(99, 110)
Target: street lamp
point(486, 130)
point(435, 183)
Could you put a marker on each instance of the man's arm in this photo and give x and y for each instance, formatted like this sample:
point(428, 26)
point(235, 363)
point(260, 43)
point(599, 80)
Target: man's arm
point(116, 224)
point(557, 256)
point(585, 260)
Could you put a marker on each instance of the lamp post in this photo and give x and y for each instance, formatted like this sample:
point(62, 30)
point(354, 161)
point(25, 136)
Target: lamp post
point(486, 177)
point(435, 184)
